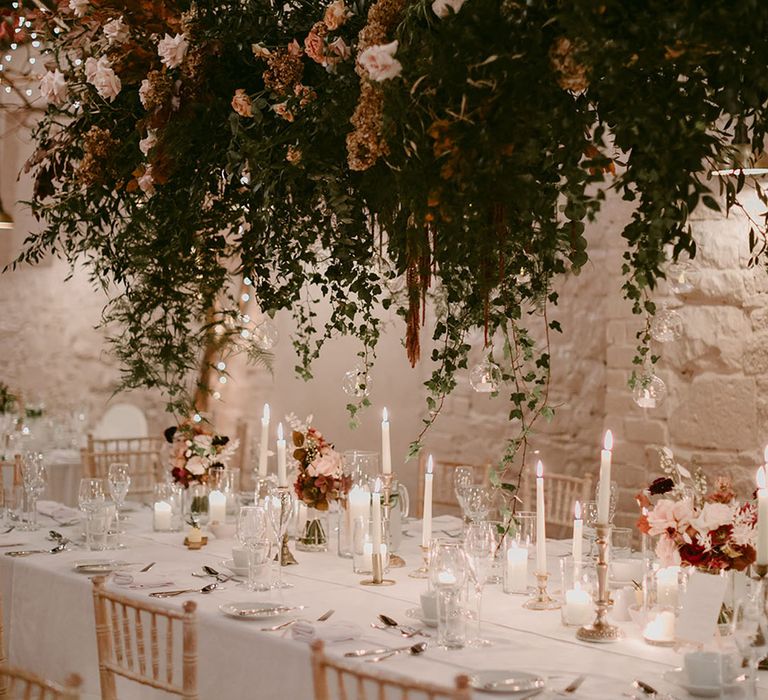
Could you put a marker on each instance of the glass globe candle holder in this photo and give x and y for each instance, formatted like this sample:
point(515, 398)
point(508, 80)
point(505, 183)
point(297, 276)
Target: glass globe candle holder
point(485, 377)
point(650, 391)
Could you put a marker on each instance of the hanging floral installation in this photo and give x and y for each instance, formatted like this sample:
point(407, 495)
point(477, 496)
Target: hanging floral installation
point(377, 154)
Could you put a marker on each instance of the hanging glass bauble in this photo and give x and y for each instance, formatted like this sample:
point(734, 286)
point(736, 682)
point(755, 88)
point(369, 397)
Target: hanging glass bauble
point(650, 391)
point(666, 326)
point(485, 377)
point(680, 277)
point(266, 335)
point(357, 383)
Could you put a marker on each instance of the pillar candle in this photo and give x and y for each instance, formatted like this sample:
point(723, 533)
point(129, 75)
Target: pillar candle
point(661, 628)
point(762, 515)
point(282, 479)
point(359, 503)
point(264, 444)
point(516, 572)
point(426, 527)
point(578, 534)
point(386, 450)
point(667, 586)
point(578, 608)
point(162, 516)
point(604, 497)
point(541, 527)
point(376, 516)
point(217, 507)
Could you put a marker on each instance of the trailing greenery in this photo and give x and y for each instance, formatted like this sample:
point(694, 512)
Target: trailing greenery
point(479, 146)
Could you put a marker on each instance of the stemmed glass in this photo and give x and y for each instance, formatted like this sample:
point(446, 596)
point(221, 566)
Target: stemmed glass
point(750, 632)
point(119, 483)
point(480, 549)
point(479, 501)
point(33, 476)
point(253, 531)
point(90, 491)
point(448, 575)
point(462, 477)
point(279, 510)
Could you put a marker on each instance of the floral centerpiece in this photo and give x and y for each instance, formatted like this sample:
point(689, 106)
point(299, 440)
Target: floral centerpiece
point(320, 480)
point(706, 529)
point(8, 399)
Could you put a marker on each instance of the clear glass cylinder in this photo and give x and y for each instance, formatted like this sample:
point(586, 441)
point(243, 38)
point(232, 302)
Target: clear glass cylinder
point(167, 508)
point(578, 585)
point(514, 565)
point(362, 547)
point(451, 620)
point(196, 503)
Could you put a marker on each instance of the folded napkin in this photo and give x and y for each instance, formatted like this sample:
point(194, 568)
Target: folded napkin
point(141, 579)
point(304, 631)
point(62, 514)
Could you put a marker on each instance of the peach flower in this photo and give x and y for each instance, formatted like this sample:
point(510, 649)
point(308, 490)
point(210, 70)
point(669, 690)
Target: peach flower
point(335, 15)
point(241, 103)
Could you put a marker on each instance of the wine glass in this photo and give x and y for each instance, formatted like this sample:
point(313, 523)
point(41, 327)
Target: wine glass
point(119, 483)
point(279, 505)
point(479, 502)
point(480, 550)
point(33, 477)
point(448, 575)
point(253, 531)
point(750, 632)
point(462, 477)
point(90, 490)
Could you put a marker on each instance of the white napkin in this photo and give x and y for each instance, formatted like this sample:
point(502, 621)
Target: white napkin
point(304, 631)
point(141, 579)
point(62, 514)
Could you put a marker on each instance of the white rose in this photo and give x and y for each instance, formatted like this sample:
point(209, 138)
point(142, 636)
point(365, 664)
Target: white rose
point(143, 90)
point(380, 62)
point(116, 31)
point(713, 516)
point(196, 466)
point(443, 8)
point(102, 77)
point(172, 49)
point(148, 142)
point(147, 185)
point(79, 7)
point(53, 87)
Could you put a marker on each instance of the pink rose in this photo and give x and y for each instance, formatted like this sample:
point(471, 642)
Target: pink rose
point(241, 103)
point(53, 87)
point(713, 516)
point(335, 15)
point(340, 48)
point(380, 62)
point(314, 47)
point(668, 514)
point(444, 8)
point(667, 552)
point(327, 464)
point(172, 50)
point(281, 109)
point(99, 73)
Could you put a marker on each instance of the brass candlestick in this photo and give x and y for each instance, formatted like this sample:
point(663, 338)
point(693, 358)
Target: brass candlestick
point(377, 573)
point(423, 570)
point(542, 600)
point(395, 561)
point(601, 631)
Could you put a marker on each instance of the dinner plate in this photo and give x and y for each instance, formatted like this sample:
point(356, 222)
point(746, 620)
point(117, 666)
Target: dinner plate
point(680, 677)
point(236, 570)
point(97, 566)
point(507, 682)
point(417, 614)
point(255, 610)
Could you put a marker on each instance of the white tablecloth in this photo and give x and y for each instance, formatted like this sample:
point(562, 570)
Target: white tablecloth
point(50, 629)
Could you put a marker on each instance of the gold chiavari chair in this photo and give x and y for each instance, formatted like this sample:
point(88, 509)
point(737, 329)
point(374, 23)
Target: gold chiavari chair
point(19, 683)
point(443, 491)
point(561, 491)
point(353, 683)
point(128, 634)
point(242, 459)
point(143, 456)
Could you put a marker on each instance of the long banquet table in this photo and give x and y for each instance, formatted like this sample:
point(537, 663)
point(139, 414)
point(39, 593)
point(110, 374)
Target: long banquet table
point(50, 630)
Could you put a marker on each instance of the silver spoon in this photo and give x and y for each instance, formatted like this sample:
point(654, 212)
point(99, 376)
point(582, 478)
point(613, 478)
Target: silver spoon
point(26, 552)
point(415, 650)
point(405, 630)
point(283, 625)
point(169, 594)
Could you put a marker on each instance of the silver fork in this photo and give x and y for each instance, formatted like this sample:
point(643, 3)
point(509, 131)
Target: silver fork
point(284, 625)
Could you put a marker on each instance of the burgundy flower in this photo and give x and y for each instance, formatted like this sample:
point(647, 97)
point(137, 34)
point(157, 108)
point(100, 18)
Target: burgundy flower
point(661, 485)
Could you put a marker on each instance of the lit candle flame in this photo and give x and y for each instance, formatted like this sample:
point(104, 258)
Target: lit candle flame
point(577, 511)
point(280, 431)
point(760, 478)
point(430, 464)
point(385, 416)
point(608, 441)
point(266, 412)
point(539, 470)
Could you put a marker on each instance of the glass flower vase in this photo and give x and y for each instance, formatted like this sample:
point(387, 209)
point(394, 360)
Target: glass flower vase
point(313, 537)
point(196, 503)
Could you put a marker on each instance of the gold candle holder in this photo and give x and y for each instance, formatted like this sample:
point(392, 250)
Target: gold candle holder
point(423, 570)
point(377, 573)
point(601, 631)
point(542, 600)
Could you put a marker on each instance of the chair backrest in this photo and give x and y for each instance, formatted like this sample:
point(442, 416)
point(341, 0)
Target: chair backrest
point(19, 683)
point(443, 492)
point(10, 479)
point(351, 682)
point(127, 634)
point(242, 459)
point(120, 420)
point(144, 456)
point(4, 680)
point(561, 491)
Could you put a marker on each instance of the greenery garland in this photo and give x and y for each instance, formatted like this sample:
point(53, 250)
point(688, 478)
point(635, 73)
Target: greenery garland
point(372, 153)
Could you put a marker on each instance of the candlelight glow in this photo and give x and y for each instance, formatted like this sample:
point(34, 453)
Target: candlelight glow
point(385, 416)
point(377, 486)
point(760, 478)
point(539, 470)
point(608, 441)
point(266, 412)
point(577, 511)
point(430, 465)
point(765, 454)
point(280, 431)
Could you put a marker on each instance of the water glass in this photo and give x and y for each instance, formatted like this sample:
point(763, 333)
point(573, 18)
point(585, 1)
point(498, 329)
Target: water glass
point(480, 550)
point(750, 633)
point(462, 477)
point(479, 502)
point(253, 531)
point(33, 475)
point(98, 521)
point(448, 574)
point(621, 542)
point(279, 504)
point(119, 480)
